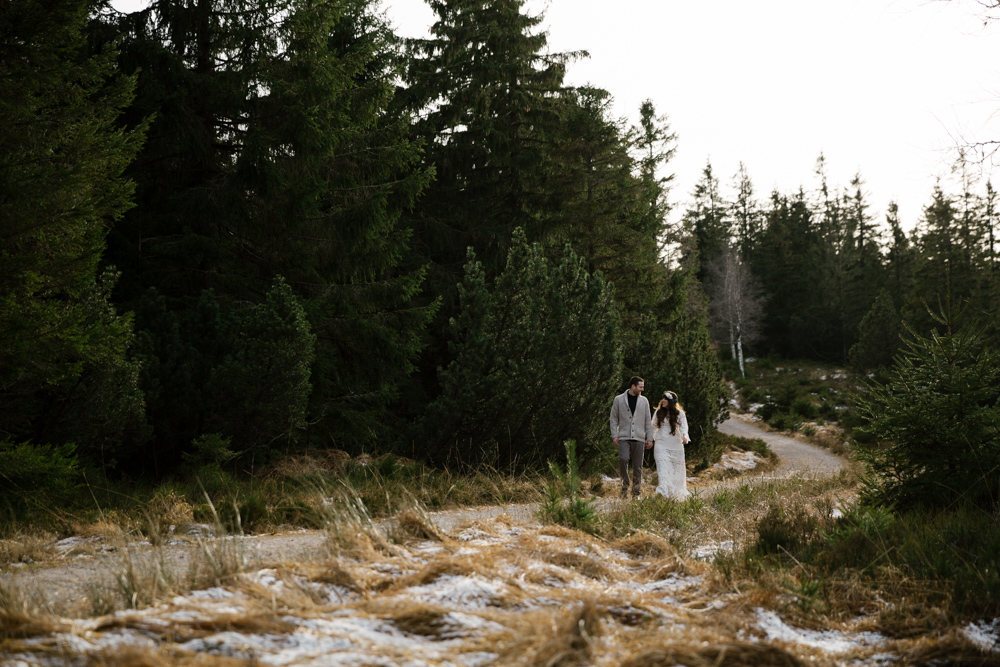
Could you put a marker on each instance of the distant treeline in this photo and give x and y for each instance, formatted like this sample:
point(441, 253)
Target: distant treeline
point(835, 283)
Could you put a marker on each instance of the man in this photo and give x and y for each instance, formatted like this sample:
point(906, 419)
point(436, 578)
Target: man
point(631, 427)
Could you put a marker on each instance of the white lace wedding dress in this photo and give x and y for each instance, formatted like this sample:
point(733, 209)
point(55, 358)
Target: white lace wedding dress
point(668, 452)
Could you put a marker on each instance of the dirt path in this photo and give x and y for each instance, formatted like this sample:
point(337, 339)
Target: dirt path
point(797, 458)
point(67, 587)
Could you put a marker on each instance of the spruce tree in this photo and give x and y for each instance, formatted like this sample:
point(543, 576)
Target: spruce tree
point(484, 90)
point(788, 262)
point(878, 336)
point(747, 217)
point(936, 421)
point(273, 152)
point(64, 376)
point(706, 223)
point(536, 359)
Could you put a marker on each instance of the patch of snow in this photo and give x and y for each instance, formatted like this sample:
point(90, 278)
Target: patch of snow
point(671, 584)
point(984, 635)
point(738, 461)
point(214, 593)
point(460, 591)
point(477, 658)
point(835, 513)
point(267, 648)
point(470, 534)
point(831, 641)
point(70, 543)
point(267, 578)
point(201, 530)
point(708, 551)
point(427, 547)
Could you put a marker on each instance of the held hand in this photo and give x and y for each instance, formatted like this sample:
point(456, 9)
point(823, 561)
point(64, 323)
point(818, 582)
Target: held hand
point(686, 440)
point(649, 444)
point(615, 440)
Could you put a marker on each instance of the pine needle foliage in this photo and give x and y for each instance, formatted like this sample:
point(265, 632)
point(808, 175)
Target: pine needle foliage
point(563, 503)
point(936, 420)
point(539, 327)
point(62, 345)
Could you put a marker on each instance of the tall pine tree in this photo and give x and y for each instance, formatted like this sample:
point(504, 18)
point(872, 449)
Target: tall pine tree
point(273, 152)
point(63, 372)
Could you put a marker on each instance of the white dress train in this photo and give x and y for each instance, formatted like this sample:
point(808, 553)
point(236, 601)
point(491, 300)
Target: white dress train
point(671, 471)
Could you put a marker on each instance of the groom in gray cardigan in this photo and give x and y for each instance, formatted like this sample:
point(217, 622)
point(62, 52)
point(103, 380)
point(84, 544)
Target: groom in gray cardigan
point(631, 430)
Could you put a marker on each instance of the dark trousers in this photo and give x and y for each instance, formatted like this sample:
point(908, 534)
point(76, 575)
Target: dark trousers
point(630, 451)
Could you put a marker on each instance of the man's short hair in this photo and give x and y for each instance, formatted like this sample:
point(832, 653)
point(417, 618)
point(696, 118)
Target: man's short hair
point(634, 380)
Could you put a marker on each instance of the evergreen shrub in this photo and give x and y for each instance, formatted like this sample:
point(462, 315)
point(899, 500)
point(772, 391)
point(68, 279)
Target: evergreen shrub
point(784, 422)
point(537, 358)
point(804, 407)
point(36, 473)
point(936, 421)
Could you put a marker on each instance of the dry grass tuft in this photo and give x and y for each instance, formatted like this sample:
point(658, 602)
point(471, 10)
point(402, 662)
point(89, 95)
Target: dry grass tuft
point(166, 513)
point(127, 656)
point(310, 463)
point(218, 561)
point(20, 616)
point(952, 650)
point(916, 614)
point(413, 524)
point(27, 548)
point(644, 545)
point(171, 509)
point(143, 577)
point(245, 623)
point(112, 528)
point(350, 529)
point(459, 567)
point(555, 530)
point(20, 625)
point(578, 562)
point(734, 654)
point(335, 575)
point(567, 640)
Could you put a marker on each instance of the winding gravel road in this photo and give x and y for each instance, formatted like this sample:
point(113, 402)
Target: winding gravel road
point(66, 587)
point(797, 458)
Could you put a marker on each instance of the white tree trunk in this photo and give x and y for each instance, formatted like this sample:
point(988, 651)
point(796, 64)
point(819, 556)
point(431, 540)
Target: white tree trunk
point(739, 348)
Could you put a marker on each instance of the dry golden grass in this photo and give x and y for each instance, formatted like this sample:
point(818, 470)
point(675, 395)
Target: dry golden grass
point(723, 654)
point(144, 577)
point(554, 638)
point(949, 650)
point(309, 463)
point(27, 547)
point(333, 573)
point(22, 615)
point(413, 524)
point(642, 544)
point(169, 657)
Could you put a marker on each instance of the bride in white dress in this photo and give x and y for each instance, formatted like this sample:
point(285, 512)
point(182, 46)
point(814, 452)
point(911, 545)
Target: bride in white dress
point(670, 434)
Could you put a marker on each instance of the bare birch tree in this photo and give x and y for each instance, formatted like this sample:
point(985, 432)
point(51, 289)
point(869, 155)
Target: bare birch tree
point(737, 302)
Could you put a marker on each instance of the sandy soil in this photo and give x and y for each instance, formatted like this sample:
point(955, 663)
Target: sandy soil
point(64, 585)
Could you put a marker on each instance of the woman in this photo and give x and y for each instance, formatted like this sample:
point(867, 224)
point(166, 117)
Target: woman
point(670, 434)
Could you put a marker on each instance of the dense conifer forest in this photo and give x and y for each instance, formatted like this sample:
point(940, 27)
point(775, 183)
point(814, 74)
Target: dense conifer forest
point(233, 230)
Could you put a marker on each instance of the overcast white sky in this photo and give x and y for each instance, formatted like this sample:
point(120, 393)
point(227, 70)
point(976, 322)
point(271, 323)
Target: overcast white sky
point(884, 87)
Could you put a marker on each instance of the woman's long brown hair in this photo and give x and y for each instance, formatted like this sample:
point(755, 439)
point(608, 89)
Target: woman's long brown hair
point(670, 412)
